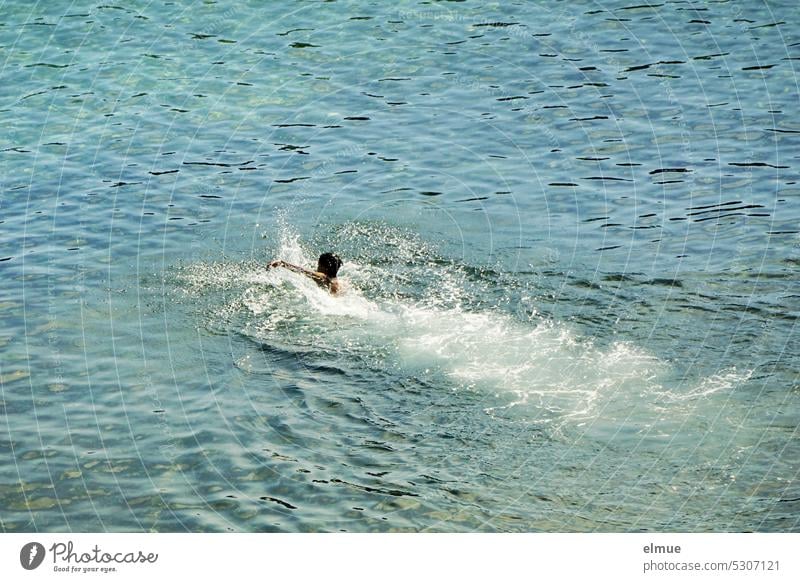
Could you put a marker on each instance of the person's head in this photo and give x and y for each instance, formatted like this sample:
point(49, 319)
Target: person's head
point(329, 264)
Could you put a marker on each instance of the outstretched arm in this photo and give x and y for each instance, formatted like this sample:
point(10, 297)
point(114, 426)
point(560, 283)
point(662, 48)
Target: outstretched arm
point(297, 269)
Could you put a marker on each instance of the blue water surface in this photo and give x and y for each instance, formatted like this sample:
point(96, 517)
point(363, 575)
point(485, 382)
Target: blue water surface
point(570, 241)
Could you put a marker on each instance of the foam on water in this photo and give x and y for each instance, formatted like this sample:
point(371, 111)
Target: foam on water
point(544, 369)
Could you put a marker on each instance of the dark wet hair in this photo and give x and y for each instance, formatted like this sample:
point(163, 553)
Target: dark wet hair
point(329, 264)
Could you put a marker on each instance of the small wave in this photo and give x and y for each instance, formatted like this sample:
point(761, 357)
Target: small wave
point(722, 381)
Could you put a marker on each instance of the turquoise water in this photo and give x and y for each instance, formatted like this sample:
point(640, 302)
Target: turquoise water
point(571, 245)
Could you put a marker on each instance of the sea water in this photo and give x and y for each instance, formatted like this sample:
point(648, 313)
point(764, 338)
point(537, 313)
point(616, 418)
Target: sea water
point(570, 249)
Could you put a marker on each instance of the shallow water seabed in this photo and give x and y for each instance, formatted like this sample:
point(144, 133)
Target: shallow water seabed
point(570, 236)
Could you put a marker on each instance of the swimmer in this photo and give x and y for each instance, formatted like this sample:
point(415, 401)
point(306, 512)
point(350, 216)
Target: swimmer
point(325, 275)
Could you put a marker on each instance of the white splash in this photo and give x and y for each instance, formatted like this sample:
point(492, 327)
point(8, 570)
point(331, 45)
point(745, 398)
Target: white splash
point(540, 365)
